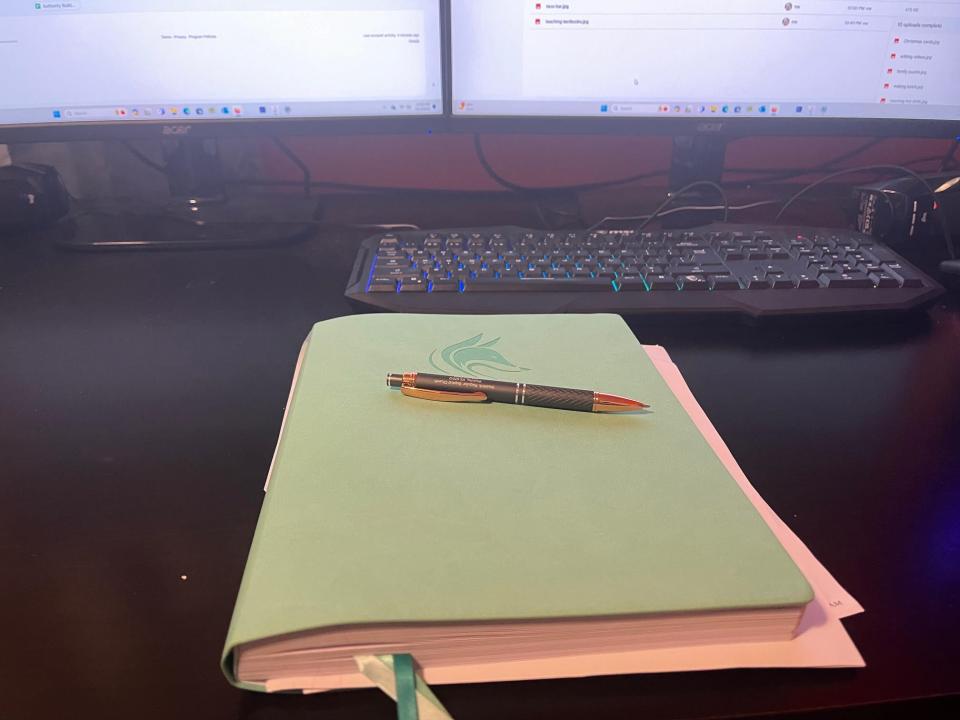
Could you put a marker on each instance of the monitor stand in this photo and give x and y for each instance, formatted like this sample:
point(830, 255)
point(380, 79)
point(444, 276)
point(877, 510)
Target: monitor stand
point(695, 157)
point(199, 214)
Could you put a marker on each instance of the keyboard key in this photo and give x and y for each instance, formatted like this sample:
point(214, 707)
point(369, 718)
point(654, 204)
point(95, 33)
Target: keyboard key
point(782, 283)
point(692, 283)
point(632, 284)
point(687, 269)
point(386, 263)
point(382, 286)
point(882, 254)
point(757, 282)
point(907, 278)
point(661, 282)
point(724, 282)
point(445, 286)
point(849, 280)
point(807, 282)
point(400, 275)
point(884, 280)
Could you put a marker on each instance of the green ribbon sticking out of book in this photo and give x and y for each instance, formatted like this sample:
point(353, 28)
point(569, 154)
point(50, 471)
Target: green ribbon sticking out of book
point(406, 681)
point(397, 676)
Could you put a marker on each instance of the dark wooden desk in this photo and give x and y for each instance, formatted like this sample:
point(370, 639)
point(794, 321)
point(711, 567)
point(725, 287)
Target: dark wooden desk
point(140, 399)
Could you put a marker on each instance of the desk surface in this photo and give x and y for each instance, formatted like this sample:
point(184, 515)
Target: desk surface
point(140, 399)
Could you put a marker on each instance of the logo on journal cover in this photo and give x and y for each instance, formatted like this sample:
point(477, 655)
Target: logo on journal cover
point(473, 357)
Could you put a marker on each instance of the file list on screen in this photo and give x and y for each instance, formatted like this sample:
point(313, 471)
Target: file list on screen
point(839, 58)
point(114, 60)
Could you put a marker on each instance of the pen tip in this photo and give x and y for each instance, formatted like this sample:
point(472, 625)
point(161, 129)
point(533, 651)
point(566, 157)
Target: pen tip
point(604, 403)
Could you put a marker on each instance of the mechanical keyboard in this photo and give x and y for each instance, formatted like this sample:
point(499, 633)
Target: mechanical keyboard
point(719, 268)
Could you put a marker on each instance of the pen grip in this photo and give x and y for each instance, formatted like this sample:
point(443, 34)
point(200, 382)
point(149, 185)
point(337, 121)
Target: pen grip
point(559, 398)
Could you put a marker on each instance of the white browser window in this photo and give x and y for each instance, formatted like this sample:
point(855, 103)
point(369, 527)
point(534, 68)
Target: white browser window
point(841, 58)
point(121, 60)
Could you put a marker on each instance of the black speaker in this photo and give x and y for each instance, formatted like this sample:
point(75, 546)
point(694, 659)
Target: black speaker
point(31, 196)
point(902, 211)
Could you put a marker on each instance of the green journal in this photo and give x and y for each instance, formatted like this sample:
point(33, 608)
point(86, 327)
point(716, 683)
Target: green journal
point(464, 533)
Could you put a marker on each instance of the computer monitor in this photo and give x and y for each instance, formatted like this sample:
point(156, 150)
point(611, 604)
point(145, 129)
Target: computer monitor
point(115, 68)
point(699, 66)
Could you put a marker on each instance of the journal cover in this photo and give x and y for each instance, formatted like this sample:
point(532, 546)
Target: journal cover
point(386, 509)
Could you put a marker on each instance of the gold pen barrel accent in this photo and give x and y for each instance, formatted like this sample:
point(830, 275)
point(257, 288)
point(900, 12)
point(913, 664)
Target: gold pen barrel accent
point(440, 396)
point(605, 403)
point(396, 380)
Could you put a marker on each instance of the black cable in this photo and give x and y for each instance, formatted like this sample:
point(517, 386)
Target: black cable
point(693, 208)
point(583, 187)
point(369, 189)
point(295, 159)
point(945, 228)
point(568, 218)
point(673, 196)
point(771, 176)
point(948, 159)
point(785, 174)
point(803, 172)
point(162, 169)
point(542, 216)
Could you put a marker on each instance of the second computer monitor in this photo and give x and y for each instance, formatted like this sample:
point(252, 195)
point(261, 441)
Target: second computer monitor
point(702, 60)
point(66, 66)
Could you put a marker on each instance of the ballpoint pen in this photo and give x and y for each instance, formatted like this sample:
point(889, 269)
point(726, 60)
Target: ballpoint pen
point(444, 388)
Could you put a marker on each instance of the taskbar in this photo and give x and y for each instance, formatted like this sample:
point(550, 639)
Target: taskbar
point(208, 111)
point(886, 108)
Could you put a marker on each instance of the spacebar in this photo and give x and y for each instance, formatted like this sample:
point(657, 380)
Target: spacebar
point(538, 285)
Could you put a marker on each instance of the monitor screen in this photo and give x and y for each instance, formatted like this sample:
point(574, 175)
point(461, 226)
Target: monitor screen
point(86, 61)
point(700, 58)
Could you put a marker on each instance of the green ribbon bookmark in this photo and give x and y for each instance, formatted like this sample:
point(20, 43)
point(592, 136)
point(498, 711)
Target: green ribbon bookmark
point(397, 676)
point(406, 679)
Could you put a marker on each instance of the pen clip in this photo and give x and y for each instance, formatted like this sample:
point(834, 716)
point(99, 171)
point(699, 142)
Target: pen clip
point(443, 396)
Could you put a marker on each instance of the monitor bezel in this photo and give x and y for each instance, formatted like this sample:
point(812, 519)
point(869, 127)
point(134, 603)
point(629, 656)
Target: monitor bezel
point(249, 127)
point(725, 127)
